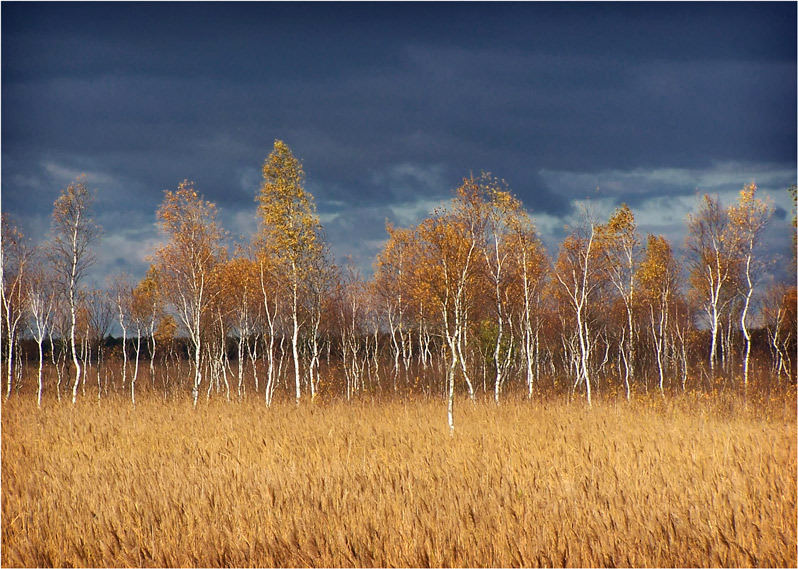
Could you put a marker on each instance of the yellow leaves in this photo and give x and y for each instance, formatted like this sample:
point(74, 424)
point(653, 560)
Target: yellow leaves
point(166, 329)
point(282, 169)
point(658, 270)
point(72, 215)
point(749, 216)
point(480, 242)
point(617, 240)
point(722, 240)
point(622, 222)
point(185, 264)
point(239, 281)
point(188, 219)
point(290, 227)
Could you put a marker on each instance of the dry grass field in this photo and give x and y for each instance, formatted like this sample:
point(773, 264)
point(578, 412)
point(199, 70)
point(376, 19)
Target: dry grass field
point(686, 482)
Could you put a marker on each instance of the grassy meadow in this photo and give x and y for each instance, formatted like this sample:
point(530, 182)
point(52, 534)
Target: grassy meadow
point(689, 481)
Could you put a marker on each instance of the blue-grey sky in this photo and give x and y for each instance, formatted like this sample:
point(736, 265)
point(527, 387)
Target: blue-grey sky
point(390, 105)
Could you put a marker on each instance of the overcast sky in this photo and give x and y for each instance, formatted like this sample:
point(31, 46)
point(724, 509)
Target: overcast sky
point(390, 105)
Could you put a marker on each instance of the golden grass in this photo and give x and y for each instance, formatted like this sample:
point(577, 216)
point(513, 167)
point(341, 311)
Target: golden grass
point(383, 484)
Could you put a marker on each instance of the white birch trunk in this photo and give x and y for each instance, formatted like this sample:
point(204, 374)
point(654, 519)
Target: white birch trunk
point(135, 368)
point(295, 332)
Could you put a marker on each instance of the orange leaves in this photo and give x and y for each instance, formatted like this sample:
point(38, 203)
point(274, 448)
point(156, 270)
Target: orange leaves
point(622, 222)
point(240, 275)
point(238, 284)
point(188, 219)
point(145, 300)
point(658, 271)
point(481, 244)
point(578, 266)
point(392, 269)
point(185, 265)
point(190, 222)
point(282, 173)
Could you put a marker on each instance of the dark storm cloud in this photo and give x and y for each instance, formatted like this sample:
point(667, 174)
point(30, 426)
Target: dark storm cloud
point(389, 105)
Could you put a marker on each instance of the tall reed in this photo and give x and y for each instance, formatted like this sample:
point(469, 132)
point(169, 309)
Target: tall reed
point(543, 483)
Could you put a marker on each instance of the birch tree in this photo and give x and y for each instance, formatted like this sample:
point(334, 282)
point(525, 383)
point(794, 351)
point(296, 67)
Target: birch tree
point(620, 245)
point(714, 264)
point(531, 265)
point(658, 277)
point(120, 290)
point(779, 315)
point(186, 262)
point(447, 271)
point(141, 314)
point(100, 316)
point(241, 290)
point(220, 319)
point(444, 270)
point(152, 311)
point(580, 273)
point(15, 255)
point(514, 264)
point(351, 296)
point(748, 220)
point(499, 205)
point(70, 253)
point(392, 284)
point(273, 292)
point(290, 232)
point(321, 283)
point(41, 307)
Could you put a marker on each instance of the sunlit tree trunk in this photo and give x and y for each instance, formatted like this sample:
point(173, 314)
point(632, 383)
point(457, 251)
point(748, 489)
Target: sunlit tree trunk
point(713, 247)
point(658, 334)
point(295, 331)
point(186, 264)
point(70, 253)
point(748, 219)
point(451, 371)
point(40, 306)
point(578, 277)
point(136, 365)
point(15, 255)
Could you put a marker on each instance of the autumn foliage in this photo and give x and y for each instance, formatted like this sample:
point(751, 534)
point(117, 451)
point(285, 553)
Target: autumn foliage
point(476, 401)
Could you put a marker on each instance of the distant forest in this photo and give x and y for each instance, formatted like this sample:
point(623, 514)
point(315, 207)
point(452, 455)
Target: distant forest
point(466, 301)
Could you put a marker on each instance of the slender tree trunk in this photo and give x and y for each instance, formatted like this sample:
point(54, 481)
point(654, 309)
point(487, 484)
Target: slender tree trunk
point(240, 363)
point(10, 351)
point(57, 366)
point(463, 368)
point(658, 344)
point(585, 354)
point(135, 369)
point(41, 358)
point(295, 334)
point(124, 355)
point(744, 318)
point(629, 361)
point(197, 368)
point(450, 383)
point(152, 342)
point(75, 359)
point(498, 346)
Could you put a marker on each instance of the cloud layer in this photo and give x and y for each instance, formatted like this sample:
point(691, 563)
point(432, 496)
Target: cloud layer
point(390, 105)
